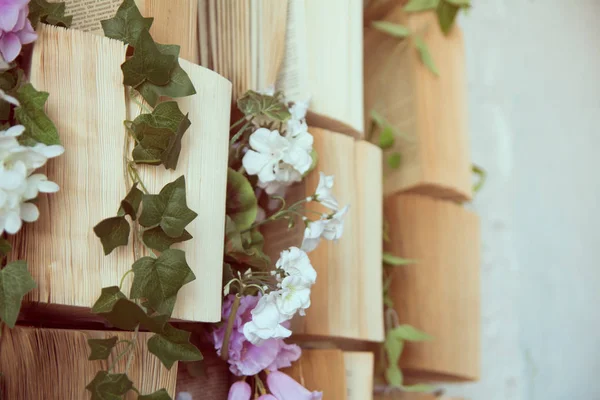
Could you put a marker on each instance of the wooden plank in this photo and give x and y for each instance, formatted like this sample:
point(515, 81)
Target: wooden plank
point(41, 364)
point(429, 111)
point(89, 106)
point(441, 293)
point(321, 370)
point(359, 375)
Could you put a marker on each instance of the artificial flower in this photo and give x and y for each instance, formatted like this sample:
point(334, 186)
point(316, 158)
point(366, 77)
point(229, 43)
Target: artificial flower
point(295, 262)
point(283, 387)
point(312, 234)
point(183, 396)
point(324, 193)
point(285, 176)
point(240, 391)
point(300, 144)
point(9, 99)
point(267, 150)
point(267, 397)
point(298, 110)
point(15, 28)
point(335, 225)
point(286, 355)
point(266, 321)
point(294, 295)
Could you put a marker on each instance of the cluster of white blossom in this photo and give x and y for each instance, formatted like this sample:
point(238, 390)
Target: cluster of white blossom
point(18, 183)
point(281, 158)
point(296, 276)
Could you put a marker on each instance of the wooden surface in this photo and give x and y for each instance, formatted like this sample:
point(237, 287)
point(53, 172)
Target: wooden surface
point(175, 22)
point(334, 43)
point(208, 379)
point(65, 257)
point(441, 293)
point(359, 375)
point(428, 111)
point(321, 370)
point(30, 357)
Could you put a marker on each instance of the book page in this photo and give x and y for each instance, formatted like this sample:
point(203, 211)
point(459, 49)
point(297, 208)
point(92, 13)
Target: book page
point(87, 14)
point(293, 75)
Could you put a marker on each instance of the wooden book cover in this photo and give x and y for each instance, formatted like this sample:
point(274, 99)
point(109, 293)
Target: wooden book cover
point(440, 294)
point(428, 111)
point(44, 364)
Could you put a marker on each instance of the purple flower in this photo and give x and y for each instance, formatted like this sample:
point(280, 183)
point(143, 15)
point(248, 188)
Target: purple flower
point(246, 359)
point(15, 28)
point(240, 391)
point(267, 397)
point(284, 387)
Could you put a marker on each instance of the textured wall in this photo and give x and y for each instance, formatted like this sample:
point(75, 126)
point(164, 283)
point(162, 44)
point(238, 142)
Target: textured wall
point(534, 98)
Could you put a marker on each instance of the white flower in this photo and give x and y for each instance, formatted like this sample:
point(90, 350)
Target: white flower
point(312, 234)
point(295, 262)
point(285, 176)
point(267, 150)
point(324, 194)
point(298, 110)
point(266, 321)
point(300, 148)
point(8, 99)
point(335, 225)
point(294, 295)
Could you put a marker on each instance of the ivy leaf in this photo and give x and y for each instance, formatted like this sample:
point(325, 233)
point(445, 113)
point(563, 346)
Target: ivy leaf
point(101, 348)
point(156, 239)
point(446, 13)
point(166, 115)
point(130, 205)
point(393, 347)
point(125, 314)
point(254, 104)
point(394, 160)
point(107, 386)
point(247, 252)
point(113, 232)
point(168, 209)
point(420, 5)
point(408, 333)
point(386, 138)
point(107, 300)
point(5, 247)
point(48, 13)
point(151, 143)
point(173, 345)
point(392, 29)
point(127, 24)
point(15, 282)
point(162, 394)
point(426, 55)
point(394, 376)
point(242, 205)
point(391, 259)
point(179, 85)
point(147, 63)
point(31, 114)
point(170, 156)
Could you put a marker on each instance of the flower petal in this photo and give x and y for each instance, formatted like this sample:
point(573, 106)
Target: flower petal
point(29, 212)
point(10, 46)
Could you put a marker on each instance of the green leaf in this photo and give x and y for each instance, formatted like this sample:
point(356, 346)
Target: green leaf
point(460, 3)
point(420, 5)
point(5, 247)
point(162, 394)
point(244, 249)
point(425, 55)
point(166, 115)
point(386, 138)
point(101, 348)
point(393, 376)
point(173, 345)
point(482, 176)
point(418, 388)
point(113, 232)
point(156, 239)
point(408, 333)
point(168, 209)
point(31, 114)
point(392, 29)
point(127, 24)
point(130, 205)
point(446, 13)
point(393, 347)
point(48, 13)
point(180, 84)
point(107, 300)
point(254, 104)
point(107, 386)
point(15, 282)
point(127, 315)
point(152, 142)
point(147, 63)
point(391, 259)
point(159, 279)
point(379, 119)
point(170, 156)
point(242, 205)
point(394, 160)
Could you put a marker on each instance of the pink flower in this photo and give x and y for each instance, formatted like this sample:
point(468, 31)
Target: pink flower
point(240, 391)
point(267, 397)
point(284, 387)
point(245, 358)
point(15, 28)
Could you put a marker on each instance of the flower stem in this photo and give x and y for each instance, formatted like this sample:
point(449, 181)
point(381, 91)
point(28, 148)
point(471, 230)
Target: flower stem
point(132, 352)
point(239, 134)
point(123, 278)
point(230, 321)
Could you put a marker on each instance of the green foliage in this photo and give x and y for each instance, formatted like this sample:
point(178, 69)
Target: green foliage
point(113, 232)
point(446, 13)
point(15, 282)
point(157, 239)
point(173, 345)
point(10, 81)
point(130, 205)
point(31, 114)
point(386, 138)
point(393, 345)
point(127, 24)
point(5, 247)
point(162, 394)
point(107, 300)
point(158, 280)
point(482, 176)
point(125, 314)
point(426, 55)
point(420, 5)
point(409, 333)
point(394, 160)
point(147, 63)
point(48, 13)
point(107, 386)
point(246, 248)
point(254, 104)
point(392, 29)
point(242, 205)
point(393, 260)
point(168, 209)
point(100, 348)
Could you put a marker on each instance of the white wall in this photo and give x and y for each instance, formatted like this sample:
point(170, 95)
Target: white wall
point(534, 98)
